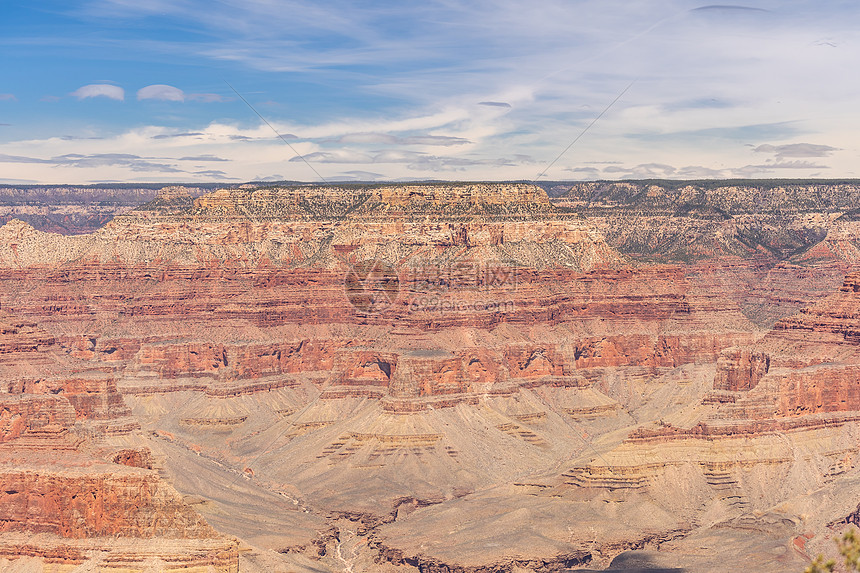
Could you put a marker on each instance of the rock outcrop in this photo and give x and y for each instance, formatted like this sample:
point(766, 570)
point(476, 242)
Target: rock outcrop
point(779, 425)
point(57, 415)
point(62, 505)
point(773, 246)
point(407, 363)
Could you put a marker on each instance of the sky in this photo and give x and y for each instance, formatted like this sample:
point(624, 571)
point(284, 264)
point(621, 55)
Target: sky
point(264, 90)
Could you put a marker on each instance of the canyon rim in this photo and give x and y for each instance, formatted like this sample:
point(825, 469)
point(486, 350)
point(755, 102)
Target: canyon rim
point(439, 377)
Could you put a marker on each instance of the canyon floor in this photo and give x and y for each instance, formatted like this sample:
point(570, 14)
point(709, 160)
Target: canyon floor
point(445, 378)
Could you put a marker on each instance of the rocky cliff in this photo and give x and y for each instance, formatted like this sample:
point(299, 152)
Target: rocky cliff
point(401, 377)
point(60, 419)
point(772, 245)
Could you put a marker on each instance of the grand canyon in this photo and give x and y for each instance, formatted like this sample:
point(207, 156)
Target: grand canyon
point(429, 377)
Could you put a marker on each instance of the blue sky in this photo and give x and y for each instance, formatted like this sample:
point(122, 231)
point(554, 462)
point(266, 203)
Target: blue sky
point(121, 90)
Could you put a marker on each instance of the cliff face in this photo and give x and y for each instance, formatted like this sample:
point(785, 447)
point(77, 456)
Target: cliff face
point(328, 227)
point(106, 503)
point(781, 418)
point(52, 488)
point(76, 210)
point(772, 246)
point(749, 196)
point(182, 331)
point(434, 357)
point(25, 415)
point(812, 359)
point(33, 362)
point(58, 417)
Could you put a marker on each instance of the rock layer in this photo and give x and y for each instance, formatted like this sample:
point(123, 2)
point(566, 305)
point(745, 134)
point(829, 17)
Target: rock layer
point(438, 371)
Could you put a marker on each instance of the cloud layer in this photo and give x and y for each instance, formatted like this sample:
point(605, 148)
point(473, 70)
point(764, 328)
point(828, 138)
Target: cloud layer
point(471, 89)
point(100, 90)
point(796, 150)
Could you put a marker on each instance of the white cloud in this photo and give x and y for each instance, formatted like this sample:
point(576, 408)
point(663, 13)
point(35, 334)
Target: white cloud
point(161, 92)
point(100, 90)
point(467, 84)
point(666, 171)
point(7, 97)
point(336, 156)
point(467, 88)
point(164, 154)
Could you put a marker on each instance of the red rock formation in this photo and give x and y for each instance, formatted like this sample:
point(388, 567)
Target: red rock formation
point(806, 365)
point(103, 502)
point(26, 415)
point(49, 486)
point(56, 403)
point(256, 360)
point(176, 360)
point(135, 458)
point(740, 369)
point(795, 388)
point(252, 319)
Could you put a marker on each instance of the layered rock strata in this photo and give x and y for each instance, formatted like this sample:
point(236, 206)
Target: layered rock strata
point(63, 496)
point(777, 430)
point(417, 356)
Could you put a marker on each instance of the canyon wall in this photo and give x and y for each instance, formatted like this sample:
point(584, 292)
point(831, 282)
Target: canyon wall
point(423, 358)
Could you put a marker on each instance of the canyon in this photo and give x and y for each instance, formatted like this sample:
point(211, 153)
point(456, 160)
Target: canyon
point(435, 377)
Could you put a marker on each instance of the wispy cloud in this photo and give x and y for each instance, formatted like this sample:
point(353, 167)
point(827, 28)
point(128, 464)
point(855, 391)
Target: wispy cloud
point(177, 135)
point(769, 167)
point(698, 172)
point(643, 170)
point(5, 158)
point(202, 158)
point(79, 137)
point(386, 138)
point(213, 174)
point(94, 161)
point(336, 156)
point(796, 150)
point(465, 87)
point(99, 90)
point(6, 181)
point(275, 177)
point(414, 160)
point(166, 92)
point(130, 161)
point(207, 98)
point(8, 97)
point(697, 103)
point(727, 8)
point(666, 171)
point(748, 132)
point(357, 175)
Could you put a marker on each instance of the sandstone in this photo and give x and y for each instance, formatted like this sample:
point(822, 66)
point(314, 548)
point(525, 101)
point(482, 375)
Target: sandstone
point(453, 376)
point(23, 415)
